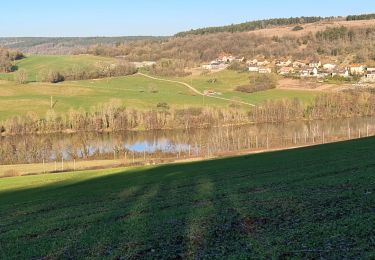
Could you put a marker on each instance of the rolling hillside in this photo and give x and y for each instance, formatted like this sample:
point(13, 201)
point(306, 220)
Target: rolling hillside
point(33, 64)
point(134, 91)
point(64, 45)
point(275, 205)
point(313, 28)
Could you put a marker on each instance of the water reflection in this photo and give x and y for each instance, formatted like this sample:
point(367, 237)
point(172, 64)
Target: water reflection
point(198, 142)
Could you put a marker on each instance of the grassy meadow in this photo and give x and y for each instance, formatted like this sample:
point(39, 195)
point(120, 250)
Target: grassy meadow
point(33, 64)
point(134, 91)
point(227, 81)
point(272, 205)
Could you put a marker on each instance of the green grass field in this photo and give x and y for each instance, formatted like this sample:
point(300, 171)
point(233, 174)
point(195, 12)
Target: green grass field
point(315, 202)
point(134, 91)
point(228, 80)
point(33, 64)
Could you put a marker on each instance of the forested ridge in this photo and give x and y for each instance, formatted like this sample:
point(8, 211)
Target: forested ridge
point(340, 43)
point(254, 25)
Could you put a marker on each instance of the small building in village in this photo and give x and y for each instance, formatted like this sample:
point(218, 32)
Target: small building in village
point(226, 58)
point(341, 72)
point(370, 73)
point(329, 66)
point(265, 70)
point(298, 64)
point(309, 72)
point(281, 63)
point(214, 66)
point(253, 69)
point(286, 70)
point(263, 63)
point(315, 64)
point(357, 69)
point(252, 62)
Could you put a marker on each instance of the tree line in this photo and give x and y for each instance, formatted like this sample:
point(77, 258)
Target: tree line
point(253, 25)
point(360, 17)
point(113, 116)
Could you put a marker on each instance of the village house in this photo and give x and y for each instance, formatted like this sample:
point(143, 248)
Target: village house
point(357, 69)
point(214, 66)
point(253, 69)
point(265, 70)
point(309, 72)
point(329, 66)
point(262, 63)
point(370, 74)
point(298, 64)
point(240, 59)
point(280, 63)
point(286, 71)
point(252, 62)
point(315, 64)
point(226, 58)
point(341, 72)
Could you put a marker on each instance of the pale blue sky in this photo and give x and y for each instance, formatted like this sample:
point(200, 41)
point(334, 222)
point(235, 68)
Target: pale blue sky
point(154, 17)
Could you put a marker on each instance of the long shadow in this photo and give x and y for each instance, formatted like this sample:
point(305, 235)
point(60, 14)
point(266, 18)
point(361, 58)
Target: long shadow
point(191, 210)
point(78, 202)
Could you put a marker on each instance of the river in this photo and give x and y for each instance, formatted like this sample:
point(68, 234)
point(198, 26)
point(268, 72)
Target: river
point(180, 143)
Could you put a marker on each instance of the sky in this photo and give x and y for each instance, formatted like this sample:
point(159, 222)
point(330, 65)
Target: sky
point(154, 17)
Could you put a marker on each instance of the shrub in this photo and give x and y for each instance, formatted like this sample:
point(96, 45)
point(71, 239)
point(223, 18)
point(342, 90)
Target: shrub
point(20, 77)
point(258, 83)
point(51, 76)
point(237, 66)
point(297, 28)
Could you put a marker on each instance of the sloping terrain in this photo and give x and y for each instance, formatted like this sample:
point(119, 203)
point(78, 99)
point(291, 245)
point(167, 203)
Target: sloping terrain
point(316, 202)
point(312, 28)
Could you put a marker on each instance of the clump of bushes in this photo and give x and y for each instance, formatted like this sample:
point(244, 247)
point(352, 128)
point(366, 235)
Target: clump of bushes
point(51, 76)
point(7, 57)
point(297, 28)
point(257, 83)
point(20, 77)
point(169, 68)
point(238, 66)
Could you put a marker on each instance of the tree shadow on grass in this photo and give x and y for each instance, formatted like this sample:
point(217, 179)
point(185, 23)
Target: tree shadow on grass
point(92, 217)
point(236, 207)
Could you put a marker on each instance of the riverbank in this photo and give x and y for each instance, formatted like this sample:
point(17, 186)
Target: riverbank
point(130, 160)
point(315, 202)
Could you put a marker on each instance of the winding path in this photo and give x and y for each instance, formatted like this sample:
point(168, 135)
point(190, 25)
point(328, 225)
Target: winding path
point(196, 90)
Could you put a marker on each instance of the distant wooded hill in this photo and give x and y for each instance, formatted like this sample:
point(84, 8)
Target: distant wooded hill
point(65, 45)
point(269, 23)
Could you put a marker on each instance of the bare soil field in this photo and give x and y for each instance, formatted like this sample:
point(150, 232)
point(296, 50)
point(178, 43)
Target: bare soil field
point(308, 85)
